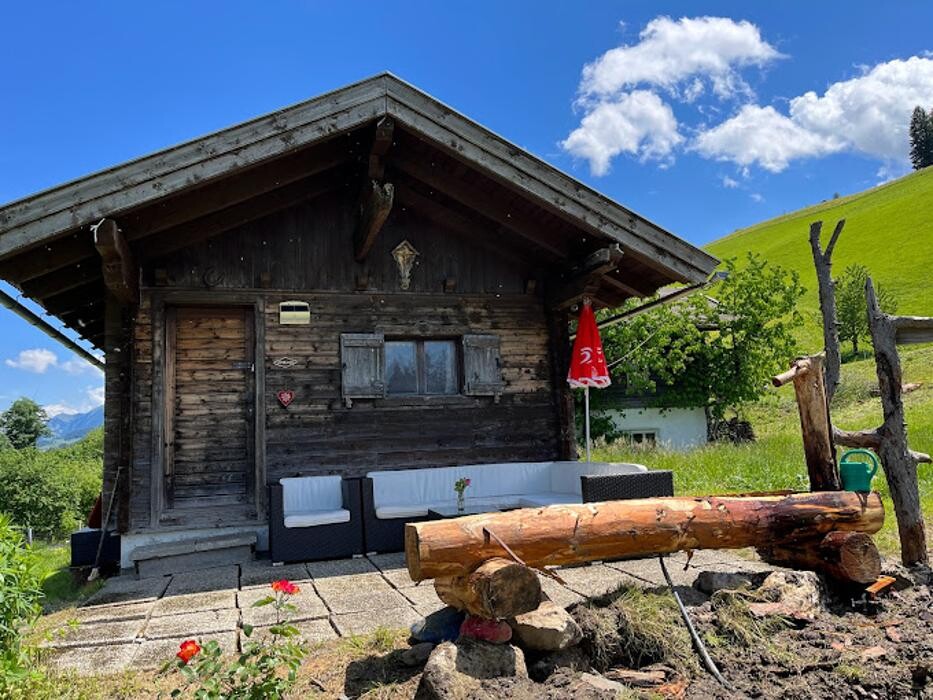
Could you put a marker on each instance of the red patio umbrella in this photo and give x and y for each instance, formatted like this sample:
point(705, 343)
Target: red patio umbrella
point(588, 363)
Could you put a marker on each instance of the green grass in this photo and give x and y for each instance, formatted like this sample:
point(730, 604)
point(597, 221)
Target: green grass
point(62, 587)
point(887, 229)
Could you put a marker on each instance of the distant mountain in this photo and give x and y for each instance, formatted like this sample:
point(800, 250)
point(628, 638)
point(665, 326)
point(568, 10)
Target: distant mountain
point(68, 428)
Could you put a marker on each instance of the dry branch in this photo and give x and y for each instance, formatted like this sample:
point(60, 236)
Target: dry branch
point(823, 260)
point(568, 534)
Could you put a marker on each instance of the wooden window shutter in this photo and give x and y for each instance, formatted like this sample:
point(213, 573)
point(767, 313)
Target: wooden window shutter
point(362, 360)
point(482, 366)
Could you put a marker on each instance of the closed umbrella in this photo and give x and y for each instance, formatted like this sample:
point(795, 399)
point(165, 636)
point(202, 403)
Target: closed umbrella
point(588, 363)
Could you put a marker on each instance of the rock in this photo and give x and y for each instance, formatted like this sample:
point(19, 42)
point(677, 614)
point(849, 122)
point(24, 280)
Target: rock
point(875, 652)
point(572, 659)
point(597, 682)
point(493, 631)
point(638, 679)
point(903, 577)
point(455, 671)
point(416, 655)
point(793, 594)
point(548, 628)
point(709, 582)
point(440, 626)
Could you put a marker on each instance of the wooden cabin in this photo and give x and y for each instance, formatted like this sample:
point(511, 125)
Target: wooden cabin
point(367, 280)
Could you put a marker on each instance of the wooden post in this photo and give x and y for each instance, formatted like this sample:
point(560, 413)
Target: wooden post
point(577, 533)
point(815, 424)
point(900, 464)
point(823, 260)
point(497, 589)
point(846, 556)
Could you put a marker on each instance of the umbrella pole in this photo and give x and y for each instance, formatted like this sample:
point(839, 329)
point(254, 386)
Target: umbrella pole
point(586, 403)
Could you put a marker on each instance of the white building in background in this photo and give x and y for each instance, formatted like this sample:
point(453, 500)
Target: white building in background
point(671, 428)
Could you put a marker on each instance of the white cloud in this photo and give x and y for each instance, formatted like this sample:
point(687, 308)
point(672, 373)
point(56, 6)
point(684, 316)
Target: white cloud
point(77, 365)
point(756, 197)
point(639, 123)
point(60, 409)
point(671, 51)
point(729, 183)
point(96, 395)
point(36, 360)
point(868, 114)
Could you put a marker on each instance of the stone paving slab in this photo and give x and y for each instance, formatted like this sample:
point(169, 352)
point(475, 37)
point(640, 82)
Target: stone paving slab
point(428, 608)
point(309, 606)
point(194, 602)
point(558, 594)
point(365, 622)
point(153, 653)
point(97, 634)
point(355, 583)
point(86, 661)
point(192, 624)
point(220, 577)
point(311, 631)
point(421, 595)
point(388, 562)
point(364, 600)
point(593, 580)
point(112, 613)
point(262, 573)
point(340, 567)
point(126, 589)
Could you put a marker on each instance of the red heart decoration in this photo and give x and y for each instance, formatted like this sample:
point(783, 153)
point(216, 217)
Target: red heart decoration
point(286, 396)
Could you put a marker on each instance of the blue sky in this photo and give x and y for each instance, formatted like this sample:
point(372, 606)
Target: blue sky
point(703, 117)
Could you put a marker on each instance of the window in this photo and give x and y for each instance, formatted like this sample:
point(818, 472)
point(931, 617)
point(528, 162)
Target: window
point(421, 367)
point(642, 437)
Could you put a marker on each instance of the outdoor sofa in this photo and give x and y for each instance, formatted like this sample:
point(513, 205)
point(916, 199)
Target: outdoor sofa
point(393, 498)
point(315, 517)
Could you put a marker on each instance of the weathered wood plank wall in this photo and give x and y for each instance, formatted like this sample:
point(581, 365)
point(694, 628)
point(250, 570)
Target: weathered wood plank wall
point(306, 253)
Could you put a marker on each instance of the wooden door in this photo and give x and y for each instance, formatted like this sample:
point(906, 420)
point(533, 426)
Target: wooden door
point(210, 402)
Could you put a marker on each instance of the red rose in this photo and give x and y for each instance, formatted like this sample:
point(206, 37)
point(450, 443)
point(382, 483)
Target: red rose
point(285, 586)
point(467, 482)
point(188, 650)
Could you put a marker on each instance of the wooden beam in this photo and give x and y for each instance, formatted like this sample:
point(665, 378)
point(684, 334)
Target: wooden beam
point(913, 329)
point(627, 288)
point(578, 533)
point(62, 280)
point(120, 272)
point(490, 207)
point(382, 142)
point(586, 278)
point(79, 299)
point(51, 257)
point(374, 206)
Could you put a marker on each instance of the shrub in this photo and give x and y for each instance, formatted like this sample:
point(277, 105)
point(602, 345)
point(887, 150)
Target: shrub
point(51, 491)
point(20, 593)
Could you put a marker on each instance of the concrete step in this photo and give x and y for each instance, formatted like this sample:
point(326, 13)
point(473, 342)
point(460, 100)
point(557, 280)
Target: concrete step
point(193, 554)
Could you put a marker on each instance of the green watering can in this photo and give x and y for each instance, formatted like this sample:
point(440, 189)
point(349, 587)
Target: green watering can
point(857, 476)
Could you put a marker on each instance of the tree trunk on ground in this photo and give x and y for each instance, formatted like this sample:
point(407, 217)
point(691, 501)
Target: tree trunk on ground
point(497, 589)
point(815, 424)
point(823, 260)
point(900, 464)
point(846, 556)
point(569, 534)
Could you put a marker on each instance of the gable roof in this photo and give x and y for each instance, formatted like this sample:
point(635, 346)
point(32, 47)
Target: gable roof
point(55, 223)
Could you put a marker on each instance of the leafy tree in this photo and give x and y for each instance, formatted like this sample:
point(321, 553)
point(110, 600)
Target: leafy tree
point(24, 422)
point(851, 309)
point(716, 350)
point(921, 138)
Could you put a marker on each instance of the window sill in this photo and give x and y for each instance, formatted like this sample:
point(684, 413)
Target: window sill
point(438, 400)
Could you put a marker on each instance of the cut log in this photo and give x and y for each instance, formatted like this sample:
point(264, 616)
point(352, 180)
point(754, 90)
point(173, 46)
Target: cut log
point(815, 424)
point(568, 534)
point(497, 589)
point(845, 556)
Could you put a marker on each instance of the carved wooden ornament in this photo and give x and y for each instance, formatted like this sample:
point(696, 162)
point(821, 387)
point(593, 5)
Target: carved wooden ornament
point(285, 397)
point(405, 254)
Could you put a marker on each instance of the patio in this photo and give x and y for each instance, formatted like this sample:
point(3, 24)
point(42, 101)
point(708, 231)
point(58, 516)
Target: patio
point(138, 624)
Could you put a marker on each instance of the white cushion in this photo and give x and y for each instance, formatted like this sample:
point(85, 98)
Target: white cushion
point(311, 493)
point(318, 517)
point(412, 510)
point(534, 500)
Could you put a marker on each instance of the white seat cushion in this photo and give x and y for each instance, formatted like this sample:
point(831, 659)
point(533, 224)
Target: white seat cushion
point(413, 510)
point(318, 517)
point(534, 500)
point(305, 494)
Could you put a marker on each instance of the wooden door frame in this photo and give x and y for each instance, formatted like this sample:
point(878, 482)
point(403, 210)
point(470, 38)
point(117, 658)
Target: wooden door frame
point(161, 371)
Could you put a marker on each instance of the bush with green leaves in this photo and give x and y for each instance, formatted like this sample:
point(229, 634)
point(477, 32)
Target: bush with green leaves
point(852, 307)
point(20, 595)
point(51, 491)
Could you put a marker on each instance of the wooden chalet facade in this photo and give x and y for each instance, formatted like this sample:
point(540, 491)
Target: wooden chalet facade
point(400, 273)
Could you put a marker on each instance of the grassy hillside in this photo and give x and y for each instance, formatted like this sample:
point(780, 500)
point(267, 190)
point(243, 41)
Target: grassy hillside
point(889, 229)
